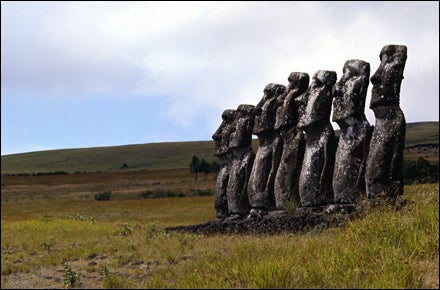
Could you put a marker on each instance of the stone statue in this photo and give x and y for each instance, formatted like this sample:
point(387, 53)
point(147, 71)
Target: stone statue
point(240, 143)
point(384, 167)
point(286, 179)
point(261, 182)
point(315, 183)
point(224, 154)
point(354, 140)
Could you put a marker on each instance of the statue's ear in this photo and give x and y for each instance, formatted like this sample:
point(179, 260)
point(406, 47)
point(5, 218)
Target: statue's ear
point(280, 90)
point(365, 82)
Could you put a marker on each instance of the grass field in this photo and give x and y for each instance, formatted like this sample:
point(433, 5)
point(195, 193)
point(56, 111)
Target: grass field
point(123, 185)
point(422, 133)
point(166, 155)
point(54, 234)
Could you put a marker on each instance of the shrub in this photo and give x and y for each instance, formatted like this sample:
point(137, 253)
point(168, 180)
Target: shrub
point(161, 193)
point(106, 195)
point(112, 281)
point(59, 172)
point(202, 192)
point(153, 230)
point(175, 194)
point(146, 194)
point(70, 277)
point(126, 229)
point(420, 171)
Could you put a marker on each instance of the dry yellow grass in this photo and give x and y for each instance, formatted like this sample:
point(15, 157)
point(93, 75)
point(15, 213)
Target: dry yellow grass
point(121, 244)
point(123, 184)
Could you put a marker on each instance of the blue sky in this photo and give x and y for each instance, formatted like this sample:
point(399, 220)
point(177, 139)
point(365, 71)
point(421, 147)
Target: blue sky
point(89, 74)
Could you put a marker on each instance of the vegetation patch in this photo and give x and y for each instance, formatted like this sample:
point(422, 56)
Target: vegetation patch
point(106, 195)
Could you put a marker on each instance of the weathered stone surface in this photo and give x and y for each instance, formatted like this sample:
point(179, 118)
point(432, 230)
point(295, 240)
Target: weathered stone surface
point(286, 179)
point(384, 167)
point(315, 183)
point(261, 182)
point(223, 152)
point(352, 151)
point(242, 160)
point(339, 208)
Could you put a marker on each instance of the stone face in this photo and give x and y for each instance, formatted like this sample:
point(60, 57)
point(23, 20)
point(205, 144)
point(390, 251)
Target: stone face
point(352, 151)
point(243, 156)
point(388, 77)
point(315, 183)
point(261, 182)
point(384, 167)
point(286, 179)
point(221, 139)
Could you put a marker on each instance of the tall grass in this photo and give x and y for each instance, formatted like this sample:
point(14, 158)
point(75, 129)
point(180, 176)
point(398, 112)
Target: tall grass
point(119, 244)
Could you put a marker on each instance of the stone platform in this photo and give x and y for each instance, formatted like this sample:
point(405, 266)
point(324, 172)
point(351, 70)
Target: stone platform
point(302, 219)
point(277, 222)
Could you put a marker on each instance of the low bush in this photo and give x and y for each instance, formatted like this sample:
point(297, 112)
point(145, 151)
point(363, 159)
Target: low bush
point(106, 195)
point(202, 192)
point(161, 193)
point(70, 277)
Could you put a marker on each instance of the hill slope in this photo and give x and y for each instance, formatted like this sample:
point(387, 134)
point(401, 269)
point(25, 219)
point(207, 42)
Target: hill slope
point(152, 155)
point(139, 156)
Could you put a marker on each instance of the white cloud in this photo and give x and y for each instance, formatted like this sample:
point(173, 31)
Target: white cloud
point(204, 57)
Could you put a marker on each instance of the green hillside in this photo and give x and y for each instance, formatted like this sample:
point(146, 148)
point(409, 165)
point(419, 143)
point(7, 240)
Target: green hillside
point(152, 155)
point(139, 156)
point(422, 133)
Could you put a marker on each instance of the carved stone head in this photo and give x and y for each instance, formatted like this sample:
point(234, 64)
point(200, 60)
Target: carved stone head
point(244, 124)
point(222, 135)
point(287, 112)
point(351, 90)
point(318, 98)
point(388, 77)
point(265, 111)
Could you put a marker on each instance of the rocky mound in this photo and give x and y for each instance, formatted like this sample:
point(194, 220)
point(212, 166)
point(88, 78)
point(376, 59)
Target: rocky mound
point(278, 222)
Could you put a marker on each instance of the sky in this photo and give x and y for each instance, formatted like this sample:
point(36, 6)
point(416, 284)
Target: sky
point(90, 74)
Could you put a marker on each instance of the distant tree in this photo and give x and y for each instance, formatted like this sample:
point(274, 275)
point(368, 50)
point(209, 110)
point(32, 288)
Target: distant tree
point(423, 170)
point(420, 171)
point(409, 171)
point(194, 166)
point(215, 167)
point(434, 173)
point(205, 167)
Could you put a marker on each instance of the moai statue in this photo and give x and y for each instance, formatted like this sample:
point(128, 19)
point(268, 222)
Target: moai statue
point(384, 168)
point(240, 143)
point(262, 179)
point(354, 140)
point(224, 154)
point(315, 182)
point(286, 179)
